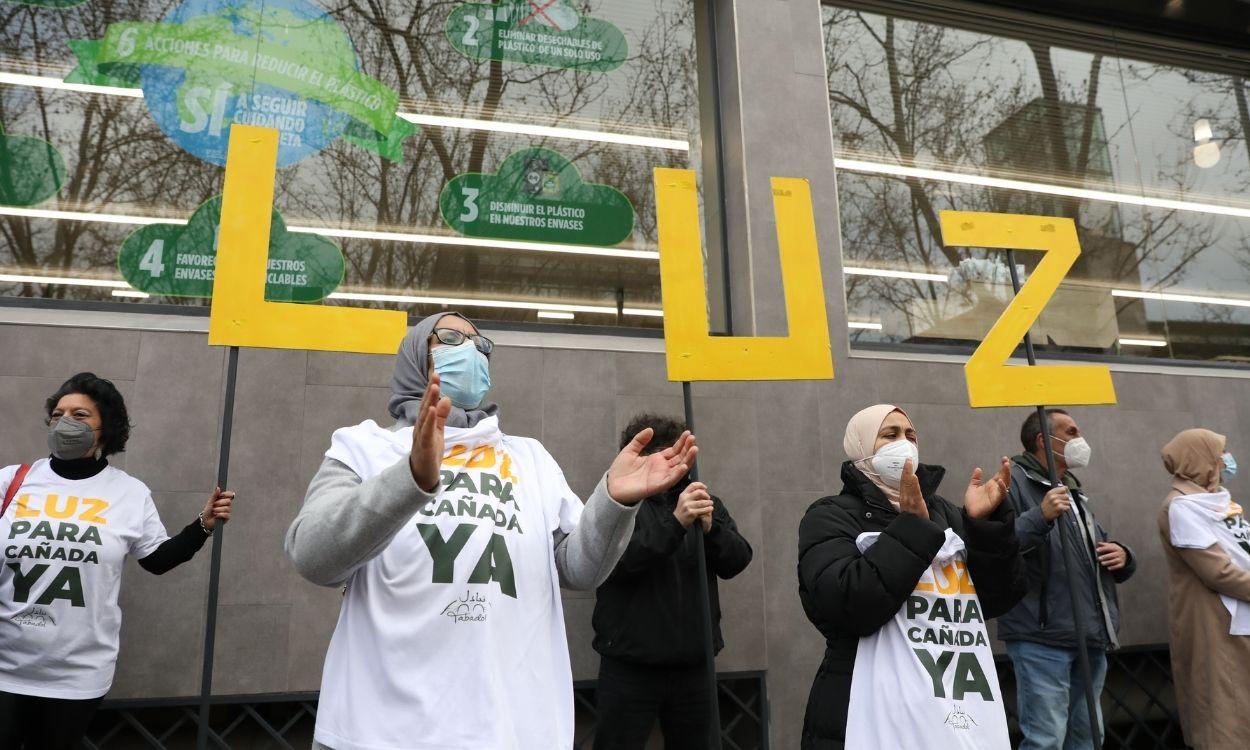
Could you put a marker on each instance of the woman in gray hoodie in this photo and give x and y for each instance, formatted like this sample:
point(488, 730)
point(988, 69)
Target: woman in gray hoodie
point(452, 540)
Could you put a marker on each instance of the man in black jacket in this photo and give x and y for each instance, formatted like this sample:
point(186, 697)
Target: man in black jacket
point(1040, 631)
point(647, 621)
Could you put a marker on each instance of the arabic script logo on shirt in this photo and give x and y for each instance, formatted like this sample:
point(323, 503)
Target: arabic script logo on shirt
point(960, 719)
point(469, 608)
point(35, 617)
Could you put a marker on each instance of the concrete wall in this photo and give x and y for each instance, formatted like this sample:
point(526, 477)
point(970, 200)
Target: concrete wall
point(768, 449)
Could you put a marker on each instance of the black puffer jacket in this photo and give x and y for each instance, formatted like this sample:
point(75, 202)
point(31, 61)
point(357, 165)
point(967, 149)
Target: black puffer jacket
point(848, 594)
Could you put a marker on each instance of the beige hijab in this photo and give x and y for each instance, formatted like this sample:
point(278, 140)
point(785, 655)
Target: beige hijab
point(861, 439)
point(1194, 458)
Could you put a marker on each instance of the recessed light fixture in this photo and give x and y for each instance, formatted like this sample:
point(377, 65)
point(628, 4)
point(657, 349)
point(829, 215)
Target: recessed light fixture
point(555, 315)
point(1142, 342)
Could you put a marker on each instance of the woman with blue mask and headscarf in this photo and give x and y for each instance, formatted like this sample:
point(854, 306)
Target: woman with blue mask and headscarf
point(453, 539)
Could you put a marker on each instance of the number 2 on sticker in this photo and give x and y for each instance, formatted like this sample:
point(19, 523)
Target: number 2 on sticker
point(470, 35)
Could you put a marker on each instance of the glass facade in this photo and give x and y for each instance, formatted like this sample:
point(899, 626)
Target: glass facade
point(496, 157)
point(1149, 160)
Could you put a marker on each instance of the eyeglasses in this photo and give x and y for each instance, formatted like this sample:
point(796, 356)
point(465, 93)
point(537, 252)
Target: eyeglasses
point(452, 337)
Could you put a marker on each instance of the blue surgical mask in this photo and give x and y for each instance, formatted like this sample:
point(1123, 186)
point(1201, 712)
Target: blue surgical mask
point(1230, 467)
point(465, 374)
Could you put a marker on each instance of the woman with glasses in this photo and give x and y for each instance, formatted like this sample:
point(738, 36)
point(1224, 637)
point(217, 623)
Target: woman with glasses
point(453, 539)
point(68, 523)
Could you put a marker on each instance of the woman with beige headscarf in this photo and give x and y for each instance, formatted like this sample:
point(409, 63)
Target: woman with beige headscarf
point(1207, 543)
point(900, 583)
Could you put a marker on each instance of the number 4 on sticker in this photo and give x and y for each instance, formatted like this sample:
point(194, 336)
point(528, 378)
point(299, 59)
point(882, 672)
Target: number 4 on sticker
point(991, 381)
point(153, 260)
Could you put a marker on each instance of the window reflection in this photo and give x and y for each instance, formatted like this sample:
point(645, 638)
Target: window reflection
point(1150, 161)
point(377, 200)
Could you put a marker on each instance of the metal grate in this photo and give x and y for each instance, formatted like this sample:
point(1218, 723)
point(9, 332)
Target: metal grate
point(1138, 701)
point(235, 723)
point(743, 712)
point(285, 722)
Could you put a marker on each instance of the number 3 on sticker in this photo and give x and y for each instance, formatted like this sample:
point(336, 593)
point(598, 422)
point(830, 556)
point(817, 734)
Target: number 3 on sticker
point(991, 381)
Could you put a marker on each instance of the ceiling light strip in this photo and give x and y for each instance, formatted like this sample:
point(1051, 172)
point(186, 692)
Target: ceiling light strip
point(544, 131)
point(442, 239)
point(43, 213)
point(46, 82)
point(17, 278)
point(1176, 297)
point(891, 274)
point(517, 128)
point(492, 303)
point(1142, 342)
point(432, 239)
point(897, 170)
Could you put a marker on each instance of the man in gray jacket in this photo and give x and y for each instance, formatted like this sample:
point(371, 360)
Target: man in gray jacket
point(1040, 631)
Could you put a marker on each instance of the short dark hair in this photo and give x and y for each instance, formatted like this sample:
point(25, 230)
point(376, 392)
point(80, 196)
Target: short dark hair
point(667, 431)
point(114, 420)
point(1032, 427)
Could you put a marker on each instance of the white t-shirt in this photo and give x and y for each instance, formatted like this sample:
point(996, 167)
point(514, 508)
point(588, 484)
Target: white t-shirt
point(453, 637)
point(1201, 520)
point(63, 543)
point(926, 679)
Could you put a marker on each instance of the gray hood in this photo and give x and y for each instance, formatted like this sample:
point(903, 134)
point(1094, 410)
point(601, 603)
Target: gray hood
point(411, 378)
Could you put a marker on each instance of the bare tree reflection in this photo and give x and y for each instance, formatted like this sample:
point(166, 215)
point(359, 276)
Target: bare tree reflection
point(120, 162)
point(924, 95)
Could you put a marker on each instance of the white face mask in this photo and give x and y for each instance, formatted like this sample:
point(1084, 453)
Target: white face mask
point(888, 462)
point(1076, 452)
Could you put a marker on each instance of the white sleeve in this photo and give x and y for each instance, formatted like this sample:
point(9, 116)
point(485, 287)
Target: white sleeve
point(1189, 531)
point(568, 505)
point(152, 534)
point(6, 477)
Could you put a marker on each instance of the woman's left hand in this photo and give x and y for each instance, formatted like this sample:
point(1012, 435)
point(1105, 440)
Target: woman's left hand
point(982, 498)
point(217, 507)
point(634, 476)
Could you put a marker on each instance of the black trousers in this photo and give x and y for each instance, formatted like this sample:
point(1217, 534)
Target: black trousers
point(632, 696)
point(30, 723)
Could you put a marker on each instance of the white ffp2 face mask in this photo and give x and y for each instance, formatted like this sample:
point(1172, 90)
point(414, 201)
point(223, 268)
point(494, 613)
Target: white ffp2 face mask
point(888, 462)
point(1076, 452)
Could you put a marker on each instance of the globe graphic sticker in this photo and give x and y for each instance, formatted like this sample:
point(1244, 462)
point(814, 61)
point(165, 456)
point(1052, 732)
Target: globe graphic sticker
point(284, 65)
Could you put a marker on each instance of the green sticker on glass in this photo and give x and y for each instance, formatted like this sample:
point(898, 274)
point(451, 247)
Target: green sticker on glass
point(537, 196)
point(31, 170)
point(541, 32)
point(173, 260)
point(286, 65)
